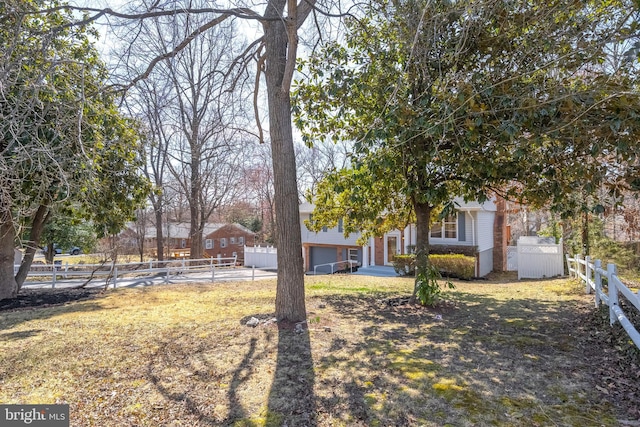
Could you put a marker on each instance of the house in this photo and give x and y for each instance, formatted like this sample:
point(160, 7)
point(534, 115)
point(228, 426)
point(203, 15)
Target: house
point(219, 239)
point(478, 228)
point(227, 240)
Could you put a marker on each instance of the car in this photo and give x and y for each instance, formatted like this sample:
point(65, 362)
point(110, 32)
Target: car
point(56, 249)
point(75, 250)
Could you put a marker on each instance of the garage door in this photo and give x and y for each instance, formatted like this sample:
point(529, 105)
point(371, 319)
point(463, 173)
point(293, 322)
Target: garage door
point(321, 255)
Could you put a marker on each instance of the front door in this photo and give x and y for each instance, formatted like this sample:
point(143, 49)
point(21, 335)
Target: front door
point(392, 248)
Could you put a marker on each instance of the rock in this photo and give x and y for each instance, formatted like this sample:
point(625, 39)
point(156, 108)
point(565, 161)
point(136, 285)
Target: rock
point(253, 322)
point(327, 329)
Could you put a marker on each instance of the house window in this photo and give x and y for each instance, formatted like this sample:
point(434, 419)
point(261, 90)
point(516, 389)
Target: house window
point(235, 254)
point(353, 255)
point(241, 240)
point(223, 242)
point(447, 228)
point(208, 244)
point(183, 243)
point(232, 240)
point(340, 225)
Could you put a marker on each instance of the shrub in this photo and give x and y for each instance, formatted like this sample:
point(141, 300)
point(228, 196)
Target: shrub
point(453, 249)
point(405, 264)
point(451, 265)
point(460, 266)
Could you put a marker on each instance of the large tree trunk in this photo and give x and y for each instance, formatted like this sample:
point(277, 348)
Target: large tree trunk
point(290, 304)
point(423, 218)
point(37, 227)
point(8, 284)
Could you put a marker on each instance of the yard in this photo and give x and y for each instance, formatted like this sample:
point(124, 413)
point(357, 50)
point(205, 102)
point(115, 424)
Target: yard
point(497, 352)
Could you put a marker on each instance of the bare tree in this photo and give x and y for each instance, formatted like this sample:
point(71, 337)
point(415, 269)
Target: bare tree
point(276, 52)
point(192, 110)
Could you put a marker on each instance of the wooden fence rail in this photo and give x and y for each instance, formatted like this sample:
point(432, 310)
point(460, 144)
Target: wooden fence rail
point(593, 276)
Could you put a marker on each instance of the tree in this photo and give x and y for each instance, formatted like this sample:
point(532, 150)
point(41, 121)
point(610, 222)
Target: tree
point(276, 53)
point(200, 113)
point(463, 98)
point(61, 139)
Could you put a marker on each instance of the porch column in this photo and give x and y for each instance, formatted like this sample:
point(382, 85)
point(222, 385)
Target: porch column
point(372, 252)
point(365, 256)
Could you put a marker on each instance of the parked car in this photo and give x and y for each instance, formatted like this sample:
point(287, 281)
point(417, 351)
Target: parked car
point(75, 250)
point(56, 249)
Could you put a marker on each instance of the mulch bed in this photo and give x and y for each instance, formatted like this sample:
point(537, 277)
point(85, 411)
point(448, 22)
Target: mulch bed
point(38, 298)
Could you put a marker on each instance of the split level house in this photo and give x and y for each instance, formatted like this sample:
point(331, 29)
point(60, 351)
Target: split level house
point(477, 228)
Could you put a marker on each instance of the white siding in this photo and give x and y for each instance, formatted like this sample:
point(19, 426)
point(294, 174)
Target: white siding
point(330, 237)
point(484, 228)
point(485, 262)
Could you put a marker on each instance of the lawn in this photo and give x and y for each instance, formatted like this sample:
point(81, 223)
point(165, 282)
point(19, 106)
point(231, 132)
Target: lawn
point(497, 352)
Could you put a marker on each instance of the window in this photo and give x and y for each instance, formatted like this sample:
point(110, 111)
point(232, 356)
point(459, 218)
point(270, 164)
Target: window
point(241, 240)
point(235, 254)
point(340, 225)
point(447, 228)
point(223, 242)
point(353, 255)
point(208, 244)
point(232, 240)
point(325, 229)
point(183, 243)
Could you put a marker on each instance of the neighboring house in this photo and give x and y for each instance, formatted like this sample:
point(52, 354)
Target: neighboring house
point(228, 240)
point(219, 239)
point(479, 225)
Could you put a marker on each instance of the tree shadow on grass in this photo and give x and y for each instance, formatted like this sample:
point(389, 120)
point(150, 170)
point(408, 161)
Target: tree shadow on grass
point(481, 361)
point(191, 394)
point(291, 397)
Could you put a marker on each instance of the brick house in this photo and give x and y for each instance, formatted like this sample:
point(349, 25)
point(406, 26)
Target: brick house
point(218, 239)
point(227, 240)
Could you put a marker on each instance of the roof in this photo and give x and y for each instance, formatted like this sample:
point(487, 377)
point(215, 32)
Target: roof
point(459, 202)
point(180, 230)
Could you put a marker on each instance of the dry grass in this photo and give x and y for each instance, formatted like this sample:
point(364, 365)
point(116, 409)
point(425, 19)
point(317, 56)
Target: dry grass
point(498, 353)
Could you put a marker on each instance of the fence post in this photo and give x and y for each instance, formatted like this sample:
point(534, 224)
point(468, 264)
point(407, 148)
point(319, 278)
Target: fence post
point(166, 277)
point(598, 279)
point(613, 292)
point(66, 268)
point(183, 270)
point(587, 273)
point(150, 264)
point(213, 272)
point(253, 273)
point(568, 265)
point(53, 279)
point(115, 277)
point(577, 260)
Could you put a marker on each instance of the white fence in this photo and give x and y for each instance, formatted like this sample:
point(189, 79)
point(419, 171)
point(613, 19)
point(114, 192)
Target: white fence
point(261, 257)
point(592, 274)
point(120, 274)
point(512, 258)
point(537, 259)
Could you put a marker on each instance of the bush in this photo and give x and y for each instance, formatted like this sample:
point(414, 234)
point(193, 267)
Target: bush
point(451, 265)
point(460, 266)
point(405, 264)
point(453, 249)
